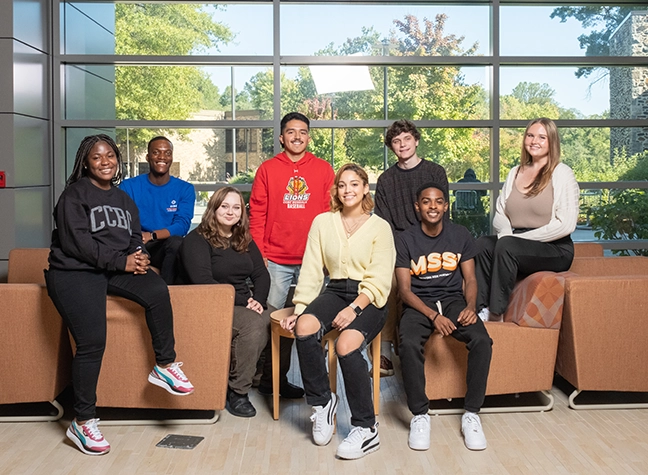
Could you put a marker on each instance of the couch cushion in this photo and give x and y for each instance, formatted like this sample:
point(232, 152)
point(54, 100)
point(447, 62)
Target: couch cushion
point(537, 300)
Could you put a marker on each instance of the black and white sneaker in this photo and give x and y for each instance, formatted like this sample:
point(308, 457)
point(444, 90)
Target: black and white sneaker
point(360, 442)
point(323, 419)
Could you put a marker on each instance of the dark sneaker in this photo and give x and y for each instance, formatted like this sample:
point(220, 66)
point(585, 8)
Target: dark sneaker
point(88, 437)
point(386, 366)
point(360, 442)
point(239, 405)
point(287, 391)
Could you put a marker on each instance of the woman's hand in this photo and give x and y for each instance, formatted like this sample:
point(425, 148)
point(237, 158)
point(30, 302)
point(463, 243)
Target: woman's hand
point(254, 305)
point(137, 262)
point(344, 318)
point(288, 323)
point(444, 325)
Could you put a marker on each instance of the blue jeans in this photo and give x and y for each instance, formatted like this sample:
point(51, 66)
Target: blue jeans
point(281, 278)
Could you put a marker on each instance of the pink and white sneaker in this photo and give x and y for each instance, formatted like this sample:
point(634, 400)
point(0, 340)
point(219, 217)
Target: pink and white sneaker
point(172, 379)
point(88, 437)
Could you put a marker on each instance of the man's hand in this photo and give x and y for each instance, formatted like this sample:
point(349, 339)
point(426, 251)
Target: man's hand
point(467, 317)
point(444, 325)
point(146, 237)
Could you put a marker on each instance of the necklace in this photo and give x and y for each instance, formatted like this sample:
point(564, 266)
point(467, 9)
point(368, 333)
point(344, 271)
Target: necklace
point(355, 224)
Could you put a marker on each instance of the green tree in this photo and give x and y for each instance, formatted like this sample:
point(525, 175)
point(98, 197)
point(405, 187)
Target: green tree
point(163, 92)
point(433, 92)
point(604, 17)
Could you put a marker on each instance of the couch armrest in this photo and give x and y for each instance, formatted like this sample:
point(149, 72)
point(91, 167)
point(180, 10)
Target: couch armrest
point(35, 351)
point(605, 329)
point(595, 266)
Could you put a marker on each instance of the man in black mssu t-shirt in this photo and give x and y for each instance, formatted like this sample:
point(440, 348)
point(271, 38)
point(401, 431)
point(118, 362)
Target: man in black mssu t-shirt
point(435, 271)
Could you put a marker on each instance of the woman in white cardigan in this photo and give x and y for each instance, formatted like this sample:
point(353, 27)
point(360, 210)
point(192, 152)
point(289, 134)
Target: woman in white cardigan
point(534, 218)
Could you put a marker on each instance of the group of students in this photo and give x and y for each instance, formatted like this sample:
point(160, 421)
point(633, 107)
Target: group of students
point(351, 264)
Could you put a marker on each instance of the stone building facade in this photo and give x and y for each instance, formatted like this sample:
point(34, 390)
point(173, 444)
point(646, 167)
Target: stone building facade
point(629, 85)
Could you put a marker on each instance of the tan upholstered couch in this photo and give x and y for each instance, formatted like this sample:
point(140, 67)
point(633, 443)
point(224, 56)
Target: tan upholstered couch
point(604, 337)
point(39, 350)
point(524, 345)
point(35, 350)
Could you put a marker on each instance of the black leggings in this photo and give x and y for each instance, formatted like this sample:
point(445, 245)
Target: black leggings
point(501, 262)
point(80, 298)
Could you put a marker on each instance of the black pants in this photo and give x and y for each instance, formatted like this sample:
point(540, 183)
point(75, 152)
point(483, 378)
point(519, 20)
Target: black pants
point(415, 329)
point(285, 352)
point(163, 256)
point(500, 263)
point(355, 371)
point(80, 298)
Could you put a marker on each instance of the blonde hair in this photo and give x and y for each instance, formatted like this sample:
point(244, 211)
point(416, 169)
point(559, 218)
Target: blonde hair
point(543, 177)
point(208, 227)
point(367, 200)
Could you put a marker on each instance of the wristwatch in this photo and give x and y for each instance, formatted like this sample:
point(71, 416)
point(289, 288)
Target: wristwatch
point(153, 236)
point(356, 309)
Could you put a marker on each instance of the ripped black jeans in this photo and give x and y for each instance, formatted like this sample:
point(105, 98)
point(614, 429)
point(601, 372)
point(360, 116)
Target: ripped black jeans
point(337, 295)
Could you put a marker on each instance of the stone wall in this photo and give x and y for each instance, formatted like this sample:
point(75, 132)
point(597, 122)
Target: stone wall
point(629, 85)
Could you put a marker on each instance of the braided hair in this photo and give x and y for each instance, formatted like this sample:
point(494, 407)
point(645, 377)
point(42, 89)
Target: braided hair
point(79, 170)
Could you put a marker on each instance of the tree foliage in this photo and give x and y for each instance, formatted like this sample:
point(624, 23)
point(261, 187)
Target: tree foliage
point(432, 92)
point(163, 92)
point(604, 17)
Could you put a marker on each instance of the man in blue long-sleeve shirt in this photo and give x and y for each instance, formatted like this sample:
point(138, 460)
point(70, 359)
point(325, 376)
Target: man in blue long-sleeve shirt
point(166, 206)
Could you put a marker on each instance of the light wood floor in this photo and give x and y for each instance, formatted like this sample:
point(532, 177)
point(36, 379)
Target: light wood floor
point(562, 441)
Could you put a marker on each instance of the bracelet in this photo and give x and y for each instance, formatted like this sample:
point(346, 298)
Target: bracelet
point(435, 317)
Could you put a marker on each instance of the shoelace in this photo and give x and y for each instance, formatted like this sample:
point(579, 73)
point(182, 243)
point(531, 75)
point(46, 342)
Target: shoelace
point(177, 372)
point(418, 424)
point(473, 423)
point(315, 417)
point(355, 435)
point(91, 430)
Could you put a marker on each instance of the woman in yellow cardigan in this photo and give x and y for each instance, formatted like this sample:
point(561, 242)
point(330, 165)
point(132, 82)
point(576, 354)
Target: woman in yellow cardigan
point(356, 248)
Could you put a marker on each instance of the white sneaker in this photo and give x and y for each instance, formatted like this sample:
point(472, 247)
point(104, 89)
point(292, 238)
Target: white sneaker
point(472, 431)
point(483, 314)
point(172, 379)
point(360, 442)
point(88, 437)
point(419, 434)
point(323, 419)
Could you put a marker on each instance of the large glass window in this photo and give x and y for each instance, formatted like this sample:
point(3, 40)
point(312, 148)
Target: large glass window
point(470, 75)
point(398, 29)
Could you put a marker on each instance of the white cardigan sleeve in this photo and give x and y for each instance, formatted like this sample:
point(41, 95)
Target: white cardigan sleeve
point(501, 223)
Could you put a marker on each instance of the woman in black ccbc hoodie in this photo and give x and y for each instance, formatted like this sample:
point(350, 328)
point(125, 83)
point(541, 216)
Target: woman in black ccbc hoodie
point(96, 250)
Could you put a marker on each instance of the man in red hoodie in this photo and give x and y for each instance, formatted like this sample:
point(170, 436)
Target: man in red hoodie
point(288, 191)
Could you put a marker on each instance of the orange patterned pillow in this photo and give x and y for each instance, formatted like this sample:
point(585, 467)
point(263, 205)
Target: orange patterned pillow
point(537, 300)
